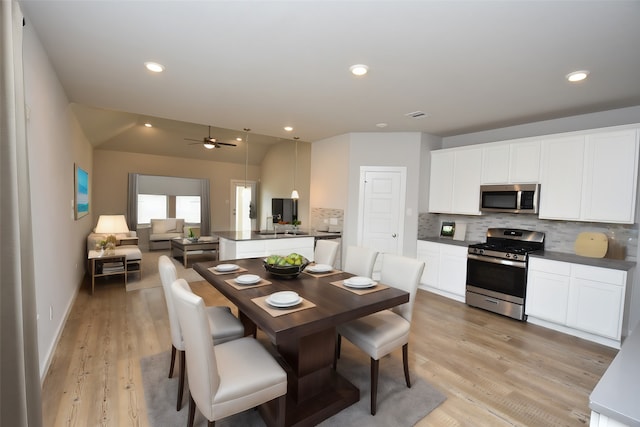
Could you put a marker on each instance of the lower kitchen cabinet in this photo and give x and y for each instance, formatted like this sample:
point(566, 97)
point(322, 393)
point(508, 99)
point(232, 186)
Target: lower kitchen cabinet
point(445, 269)
point(236, 249)
point(577, 299)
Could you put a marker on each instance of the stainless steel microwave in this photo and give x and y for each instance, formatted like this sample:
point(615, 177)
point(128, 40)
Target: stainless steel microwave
point(511, 198)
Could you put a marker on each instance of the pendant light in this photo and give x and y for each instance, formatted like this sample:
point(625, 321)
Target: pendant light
point(246, 154)
point(294, 193)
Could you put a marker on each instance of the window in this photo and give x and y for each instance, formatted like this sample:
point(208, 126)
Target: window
point(152, 206)
point(188, 207)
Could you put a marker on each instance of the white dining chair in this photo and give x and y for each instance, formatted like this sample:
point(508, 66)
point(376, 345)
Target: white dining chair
point(380, 333)
point(326, 252)
point(224, 325)
point(228, 378)
point(360, 260)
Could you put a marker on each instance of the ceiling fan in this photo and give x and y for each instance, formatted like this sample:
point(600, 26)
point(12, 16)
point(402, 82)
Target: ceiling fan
point(209, 142)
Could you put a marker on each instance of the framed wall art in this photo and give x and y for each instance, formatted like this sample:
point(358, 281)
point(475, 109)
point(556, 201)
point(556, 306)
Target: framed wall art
point(81, 202)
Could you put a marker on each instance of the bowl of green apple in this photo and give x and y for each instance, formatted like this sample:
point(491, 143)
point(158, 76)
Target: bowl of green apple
point(285, 266)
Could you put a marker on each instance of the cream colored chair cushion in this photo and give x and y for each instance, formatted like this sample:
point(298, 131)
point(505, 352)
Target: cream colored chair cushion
point(224, 325)
point(360, 261)
point(227, 378)
point(326, 252)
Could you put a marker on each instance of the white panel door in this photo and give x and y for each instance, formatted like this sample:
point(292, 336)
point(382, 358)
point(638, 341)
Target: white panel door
point(596, 307)
point(382, 204)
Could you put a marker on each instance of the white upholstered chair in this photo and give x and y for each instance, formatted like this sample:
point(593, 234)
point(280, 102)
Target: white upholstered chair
point(378, 334)
point(360, 261)
point(227, 378)
point(326, 252)
point(224, 325)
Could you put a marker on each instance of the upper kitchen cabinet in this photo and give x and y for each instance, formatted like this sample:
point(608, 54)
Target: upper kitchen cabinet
point(590, 177)
point(561, 177)
point(511, 162)
point(454, 186)
point(611, 170)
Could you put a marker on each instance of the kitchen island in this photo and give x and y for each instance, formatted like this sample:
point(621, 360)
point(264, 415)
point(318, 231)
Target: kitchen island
point(251, 244)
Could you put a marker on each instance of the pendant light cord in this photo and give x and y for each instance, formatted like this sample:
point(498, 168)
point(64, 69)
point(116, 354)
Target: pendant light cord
point(246, 155)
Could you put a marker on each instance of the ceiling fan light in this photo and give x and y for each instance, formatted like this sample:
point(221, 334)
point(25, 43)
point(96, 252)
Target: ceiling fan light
point(209, 145)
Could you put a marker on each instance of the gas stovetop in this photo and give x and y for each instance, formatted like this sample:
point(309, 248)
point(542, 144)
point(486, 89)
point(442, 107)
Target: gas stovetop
point(509, 243)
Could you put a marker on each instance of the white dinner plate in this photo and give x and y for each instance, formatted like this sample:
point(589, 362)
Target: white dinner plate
point(247, 279)
point(283, 304)
point(319, 268)
point(359, 282)
point(226, 267)
point(284, 297)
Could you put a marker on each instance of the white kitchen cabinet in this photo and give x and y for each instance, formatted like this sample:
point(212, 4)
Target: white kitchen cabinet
point(237, 249)
point(511, 162)
point(581, 300)
point(454, 185)
point(596, 302)
point(590, 177)
point(561, 177)
point(495, 163)
point(524, 162)
point(548, 290)
point(445, 270)
point(611, 170)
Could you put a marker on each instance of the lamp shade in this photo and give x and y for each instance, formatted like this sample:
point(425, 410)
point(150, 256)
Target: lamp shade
point(295, 195)
point(112, 224)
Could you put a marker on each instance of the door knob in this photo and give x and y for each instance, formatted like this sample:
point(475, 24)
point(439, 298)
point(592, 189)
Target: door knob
point(394, 235)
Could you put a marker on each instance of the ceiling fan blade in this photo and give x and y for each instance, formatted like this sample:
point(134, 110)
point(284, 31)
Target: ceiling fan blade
point(226, 143)
point(191, 139)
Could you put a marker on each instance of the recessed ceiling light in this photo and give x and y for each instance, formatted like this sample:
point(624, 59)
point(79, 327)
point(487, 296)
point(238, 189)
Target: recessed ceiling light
point(154, 66)
point(149, 125)
point(238, 139)
point(288, 128)
point(359, 69)
point(382, 125)
point(577, 76)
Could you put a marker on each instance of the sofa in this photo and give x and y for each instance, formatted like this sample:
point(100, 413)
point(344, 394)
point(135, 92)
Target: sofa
point(163, 230)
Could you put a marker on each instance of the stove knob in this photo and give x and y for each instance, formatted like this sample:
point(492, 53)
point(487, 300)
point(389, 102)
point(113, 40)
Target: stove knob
point(508, 255)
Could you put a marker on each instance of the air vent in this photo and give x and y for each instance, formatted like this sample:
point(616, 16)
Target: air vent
point(417, 114)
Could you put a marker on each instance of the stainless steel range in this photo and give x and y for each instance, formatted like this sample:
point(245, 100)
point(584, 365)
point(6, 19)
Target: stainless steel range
point(497, 270)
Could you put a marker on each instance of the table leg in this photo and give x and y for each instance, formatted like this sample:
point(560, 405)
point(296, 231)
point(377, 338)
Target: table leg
point(93, 274)
point(184, 257)
point(315, 391)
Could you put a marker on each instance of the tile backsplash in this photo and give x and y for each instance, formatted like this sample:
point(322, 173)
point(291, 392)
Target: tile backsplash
point(559, 235)
point(324, 219)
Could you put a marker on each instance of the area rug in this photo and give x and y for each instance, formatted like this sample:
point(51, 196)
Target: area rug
point(150, 278)
point(397, 404)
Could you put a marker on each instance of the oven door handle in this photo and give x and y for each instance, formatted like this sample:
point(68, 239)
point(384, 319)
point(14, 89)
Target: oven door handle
point(518, 264)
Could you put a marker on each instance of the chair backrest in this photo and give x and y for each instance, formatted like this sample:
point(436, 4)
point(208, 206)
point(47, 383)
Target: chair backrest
point(326, 252)
point(402, 273)
point(360, 261)
point(168, 275)
point(201, 357)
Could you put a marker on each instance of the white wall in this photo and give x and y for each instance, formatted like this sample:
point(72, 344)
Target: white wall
point(278, 176)
point(55, 143)
point(329, 173)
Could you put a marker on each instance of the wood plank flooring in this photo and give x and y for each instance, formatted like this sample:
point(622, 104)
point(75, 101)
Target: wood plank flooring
point(494, 371)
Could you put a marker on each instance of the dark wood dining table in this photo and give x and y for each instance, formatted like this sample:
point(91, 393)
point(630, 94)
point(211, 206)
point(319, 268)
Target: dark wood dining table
point(304, 340)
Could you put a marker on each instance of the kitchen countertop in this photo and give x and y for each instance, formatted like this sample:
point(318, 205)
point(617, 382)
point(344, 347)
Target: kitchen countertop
point(615, 264)
point(448, 241)
point(616, 394)
point(257, 235)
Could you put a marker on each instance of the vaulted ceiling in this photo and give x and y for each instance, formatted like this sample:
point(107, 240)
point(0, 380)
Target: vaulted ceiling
point(469, 65)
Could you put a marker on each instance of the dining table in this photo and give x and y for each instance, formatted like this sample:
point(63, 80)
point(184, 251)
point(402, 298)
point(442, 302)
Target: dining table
point(302, 337)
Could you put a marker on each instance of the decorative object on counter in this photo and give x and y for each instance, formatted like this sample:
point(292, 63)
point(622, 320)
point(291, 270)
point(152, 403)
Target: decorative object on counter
point(447, 229)
point(591, 244)
point(192, 237)
point(460, 231)
point(286, 267)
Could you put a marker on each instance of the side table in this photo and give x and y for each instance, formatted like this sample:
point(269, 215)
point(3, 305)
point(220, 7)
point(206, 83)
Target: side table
point(103, 264)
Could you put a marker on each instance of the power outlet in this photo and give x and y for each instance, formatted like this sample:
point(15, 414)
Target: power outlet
point(50, 312)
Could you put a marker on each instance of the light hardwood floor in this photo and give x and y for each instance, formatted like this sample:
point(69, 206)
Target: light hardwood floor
point(494, 371)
